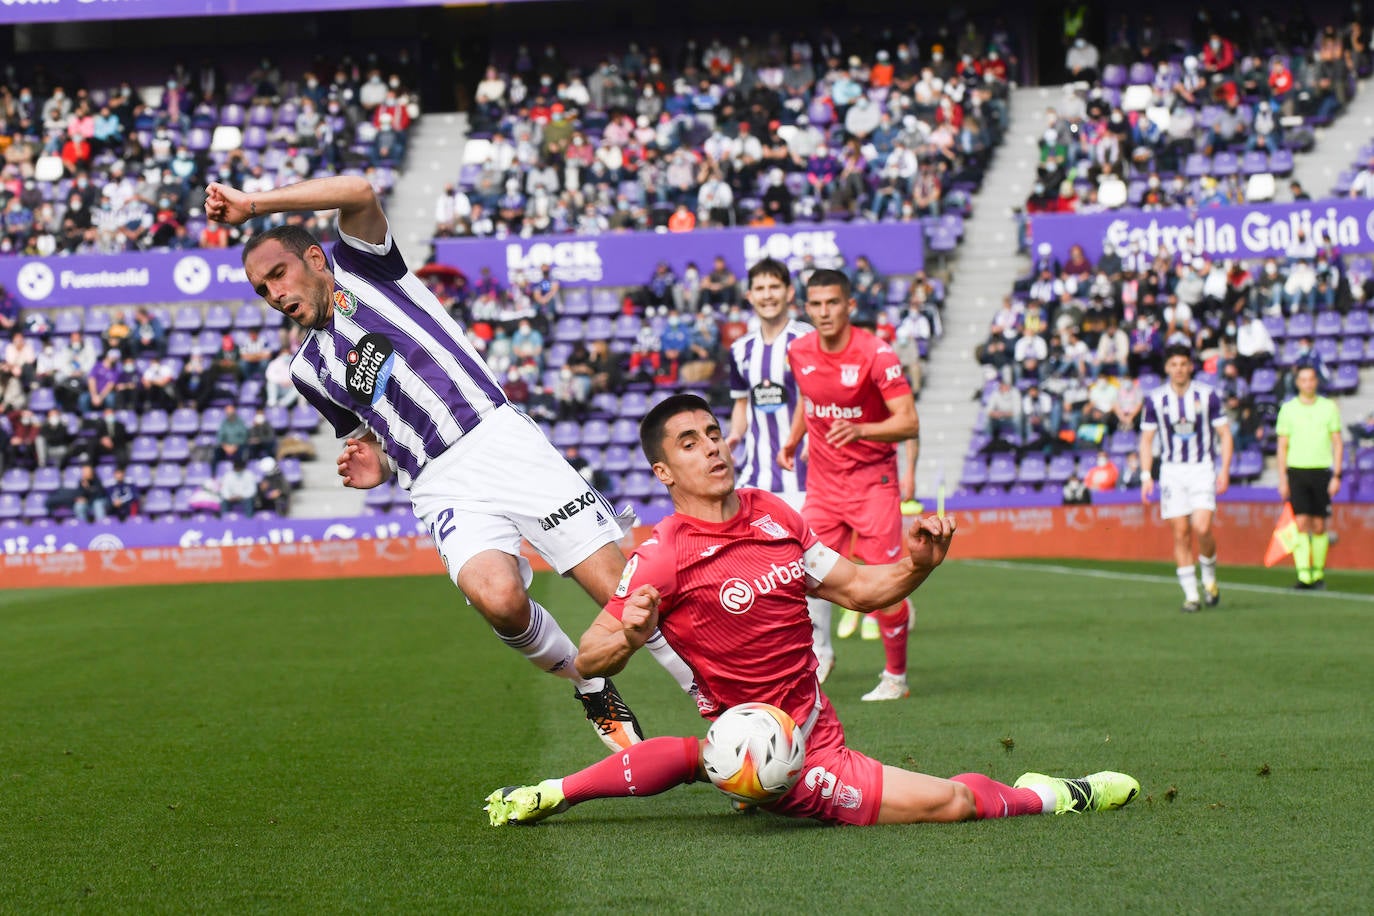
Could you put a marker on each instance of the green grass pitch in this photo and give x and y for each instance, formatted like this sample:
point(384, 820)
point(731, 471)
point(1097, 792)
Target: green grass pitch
point(326, 747)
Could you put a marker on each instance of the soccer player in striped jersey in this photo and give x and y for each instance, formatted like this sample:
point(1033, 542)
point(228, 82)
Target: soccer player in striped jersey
point(395, 376)
point(765, 396)
point(725, 576)
point(1195, 468)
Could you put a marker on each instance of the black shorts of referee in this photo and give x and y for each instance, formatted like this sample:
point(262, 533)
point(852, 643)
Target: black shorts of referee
point(1307, 491)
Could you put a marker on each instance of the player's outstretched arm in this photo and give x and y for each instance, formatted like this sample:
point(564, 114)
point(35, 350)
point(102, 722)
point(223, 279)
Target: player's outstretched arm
point(360, 213)
point(787, 455)
point(872, 588)
point(609, 642)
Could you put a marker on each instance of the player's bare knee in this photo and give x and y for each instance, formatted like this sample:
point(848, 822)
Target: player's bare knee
point(504, 603)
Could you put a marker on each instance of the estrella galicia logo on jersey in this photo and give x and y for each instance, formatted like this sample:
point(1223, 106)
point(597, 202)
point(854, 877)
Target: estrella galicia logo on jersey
point(849, 375)
point(736, 596)
point(345, 303)
point(567, 510)
point(368, 368)
point(767, 396)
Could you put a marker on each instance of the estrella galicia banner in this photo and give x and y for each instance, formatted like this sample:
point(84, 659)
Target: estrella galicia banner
point(1216, 232)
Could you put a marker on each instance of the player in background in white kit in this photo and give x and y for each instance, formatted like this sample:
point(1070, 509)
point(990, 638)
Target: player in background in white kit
point(1195, 468)
point(765, 395)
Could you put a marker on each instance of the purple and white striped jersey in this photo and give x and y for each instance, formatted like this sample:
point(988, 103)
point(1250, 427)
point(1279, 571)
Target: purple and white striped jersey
point(393, 360)
point(1186, 422)
point(760, 372)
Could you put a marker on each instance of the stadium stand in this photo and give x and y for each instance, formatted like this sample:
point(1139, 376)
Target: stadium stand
point(1208, 120)
point(1074, 348)
point(745, 134)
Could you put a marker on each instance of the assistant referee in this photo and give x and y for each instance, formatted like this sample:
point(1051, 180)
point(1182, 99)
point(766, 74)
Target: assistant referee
point(1310, 447)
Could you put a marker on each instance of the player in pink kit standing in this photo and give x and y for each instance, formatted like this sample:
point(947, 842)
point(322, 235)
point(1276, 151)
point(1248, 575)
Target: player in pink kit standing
point(725, 579)
point(857, 406)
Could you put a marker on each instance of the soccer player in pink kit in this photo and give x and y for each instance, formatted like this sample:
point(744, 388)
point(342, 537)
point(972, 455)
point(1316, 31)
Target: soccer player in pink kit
point(857, 406)
point(725, 579)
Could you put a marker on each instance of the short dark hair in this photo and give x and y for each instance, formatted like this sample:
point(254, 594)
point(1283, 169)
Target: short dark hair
point(292, 237)
point(656, 421)
point(1306, 367)
point(826, 277)
point(1178, 350)
point(770, 267)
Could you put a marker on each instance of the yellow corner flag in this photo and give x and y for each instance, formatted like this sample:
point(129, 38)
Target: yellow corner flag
point(1284, 538)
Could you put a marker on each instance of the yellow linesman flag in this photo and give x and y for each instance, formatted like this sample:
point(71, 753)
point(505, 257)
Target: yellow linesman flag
point(1284, 537)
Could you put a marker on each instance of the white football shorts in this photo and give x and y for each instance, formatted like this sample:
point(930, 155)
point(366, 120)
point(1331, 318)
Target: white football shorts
point(1185, 487)
point(504, 482)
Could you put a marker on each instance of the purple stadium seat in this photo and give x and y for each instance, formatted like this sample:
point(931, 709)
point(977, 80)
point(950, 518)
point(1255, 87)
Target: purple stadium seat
point(634, 405)
point(627, 327)
point(616, 459)
point(1351, 350)
point(624, 432)
point(291, 471)
point(1060, 469)
point(168, 475)
point(11, 506)
point(157, 501)
point(605, 302)
point(1032, 470)
point(1122, 442)
point(1197, 165)
point(1326, 348)
point(1346, 380)
point(140, 475)
point(36, 506)
point(975, 472)
point(577, 302)
point(1141, 74)
point(42, 400)
point(1281, 162)
point(143, 449)
point(637, 485)
point(1328, 324)
point(96, 323)
point(1357, 323)
point(15, 480)
point(68, 321)
point(596, 433)
point(1263, 380)
point(280, 418)
point(566, 433)
point(154, 423)
point(1114, 76)
point(600, 327)
point(304, 418)
point(218, 318)
point(184, 421)
point(1248, 464)
point(248, 316)
point(1002, 469)
point(45, 480)
point(210, 420)
point(255, 138)
point(1224, 164)
point(1276, 326)
point(1301, 325)
point(187, 318)
point(568, 330)
point(1254, 163)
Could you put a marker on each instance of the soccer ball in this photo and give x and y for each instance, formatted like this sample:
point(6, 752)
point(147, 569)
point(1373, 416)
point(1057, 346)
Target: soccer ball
point(754, 753)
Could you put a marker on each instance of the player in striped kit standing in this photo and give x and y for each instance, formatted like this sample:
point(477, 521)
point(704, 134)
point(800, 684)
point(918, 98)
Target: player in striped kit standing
point(1195, 468)
point(395, 376)
point(765, 395)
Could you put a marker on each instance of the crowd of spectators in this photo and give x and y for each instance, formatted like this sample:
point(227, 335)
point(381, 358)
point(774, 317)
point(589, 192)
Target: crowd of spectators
point(1075, 348)
point(83, 415)
point(571, 354)
point(887, 127)
point(107, 170)
point(1208, 119)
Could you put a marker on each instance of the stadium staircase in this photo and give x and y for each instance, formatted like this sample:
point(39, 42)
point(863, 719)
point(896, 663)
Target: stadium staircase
point(1338, 144)
point(436, 141)
point(983, 270)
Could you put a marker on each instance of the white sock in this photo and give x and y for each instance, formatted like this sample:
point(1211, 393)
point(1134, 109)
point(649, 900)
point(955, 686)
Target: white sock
point(1187, 577)
point(550, 649)
point(819, 609)
point(1209, 570)
point(1048, 797)
point(672, 662)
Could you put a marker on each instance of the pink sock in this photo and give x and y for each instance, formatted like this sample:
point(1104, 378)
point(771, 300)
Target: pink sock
point(997, 799)
point(647, 768)
point(893, 624)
